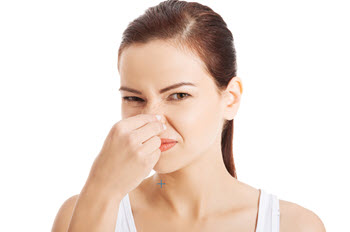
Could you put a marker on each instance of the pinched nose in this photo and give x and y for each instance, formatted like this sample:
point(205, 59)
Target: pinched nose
point(153, 107)
point(162, 119)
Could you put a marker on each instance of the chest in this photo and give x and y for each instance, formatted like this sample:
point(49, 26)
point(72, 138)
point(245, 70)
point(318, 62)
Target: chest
point(151, 221)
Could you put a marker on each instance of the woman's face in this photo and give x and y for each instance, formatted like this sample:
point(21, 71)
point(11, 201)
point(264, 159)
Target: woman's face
point(192, 113)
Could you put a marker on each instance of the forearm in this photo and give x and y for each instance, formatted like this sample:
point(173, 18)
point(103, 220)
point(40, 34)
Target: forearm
point(96, 210)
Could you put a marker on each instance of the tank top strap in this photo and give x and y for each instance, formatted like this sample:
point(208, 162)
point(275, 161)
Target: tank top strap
point(257, 215)
point(125, 219)
point(275, 214)
point(268, 214)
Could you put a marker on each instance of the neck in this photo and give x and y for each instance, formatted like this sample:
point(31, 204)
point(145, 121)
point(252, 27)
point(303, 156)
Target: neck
point(197, 189)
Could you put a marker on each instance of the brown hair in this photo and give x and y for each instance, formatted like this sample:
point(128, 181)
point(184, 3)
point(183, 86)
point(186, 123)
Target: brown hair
point(197, 28)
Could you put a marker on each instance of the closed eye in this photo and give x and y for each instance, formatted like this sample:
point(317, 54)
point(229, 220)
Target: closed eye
point(129, 98)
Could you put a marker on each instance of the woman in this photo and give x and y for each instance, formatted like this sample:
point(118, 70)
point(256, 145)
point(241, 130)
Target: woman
point(176, 61)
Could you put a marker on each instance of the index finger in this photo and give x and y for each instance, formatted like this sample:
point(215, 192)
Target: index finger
point(139, 120)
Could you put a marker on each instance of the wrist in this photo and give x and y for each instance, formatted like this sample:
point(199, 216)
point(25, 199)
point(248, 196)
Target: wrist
point(97, 188)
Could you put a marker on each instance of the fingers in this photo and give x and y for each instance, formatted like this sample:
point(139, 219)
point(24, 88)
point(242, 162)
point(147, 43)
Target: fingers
point(137, 121)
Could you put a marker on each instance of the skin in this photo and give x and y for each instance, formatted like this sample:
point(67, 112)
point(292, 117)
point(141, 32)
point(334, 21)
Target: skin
point(199, 194)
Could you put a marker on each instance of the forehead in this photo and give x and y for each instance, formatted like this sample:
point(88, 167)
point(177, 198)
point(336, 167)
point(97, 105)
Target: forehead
point(161, 62)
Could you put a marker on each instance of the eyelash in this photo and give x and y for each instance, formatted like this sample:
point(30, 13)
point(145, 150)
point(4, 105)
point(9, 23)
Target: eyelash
point(128, 98)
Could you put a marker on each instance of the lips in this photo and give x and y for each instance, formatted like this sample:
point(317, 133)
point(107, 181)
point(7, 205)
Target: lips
point(167, 144)
point(164, 140)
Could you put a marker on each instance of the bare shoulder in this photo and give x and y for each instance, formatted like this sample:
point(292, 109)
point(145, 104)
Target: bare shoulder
point(64, 214)
point(296, 218)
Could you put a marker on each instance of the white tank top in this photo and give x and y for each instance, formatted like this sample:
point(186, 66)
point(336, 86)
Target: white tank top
point(268, 214)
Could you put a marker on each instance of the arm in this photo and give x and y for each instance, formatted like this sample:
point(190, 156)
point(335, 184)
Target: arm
point(310, 222)
point(295, 218)
point(64, 215)
point(94, 209)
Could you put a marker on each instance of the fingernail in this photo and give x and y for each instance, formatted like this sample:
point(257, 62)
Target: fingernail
point(158, 117)
point(164, 126)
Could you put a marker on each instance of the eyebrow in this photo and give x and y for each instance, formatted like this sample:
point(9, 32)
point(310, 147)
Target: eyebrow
point(174, 86)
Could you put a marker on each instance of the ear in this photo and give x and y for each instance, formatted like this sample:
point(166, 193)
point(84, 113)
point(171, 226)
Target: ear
point(232, 98)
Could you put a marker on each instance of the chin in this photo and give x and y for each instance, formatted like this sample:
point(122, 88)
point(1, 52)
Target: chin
point(163, 167)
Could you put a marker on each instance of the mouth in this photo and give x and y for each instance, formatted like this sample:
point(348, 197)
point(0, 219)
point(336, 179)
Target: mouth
point(167, 144)
point(164, 140)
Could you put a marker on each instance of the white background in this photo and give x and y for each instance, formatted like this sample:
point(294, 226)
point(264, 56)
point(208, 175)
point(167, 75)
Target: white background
point(59, 99)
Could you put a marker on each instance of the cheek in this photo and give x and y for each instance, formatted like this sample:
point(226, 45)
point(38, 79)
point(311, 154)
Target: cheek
point(198, 124)
point(124, 111)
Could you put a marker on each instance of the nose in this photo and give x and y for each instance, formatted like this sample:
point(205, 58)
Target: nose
point(154, 108)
